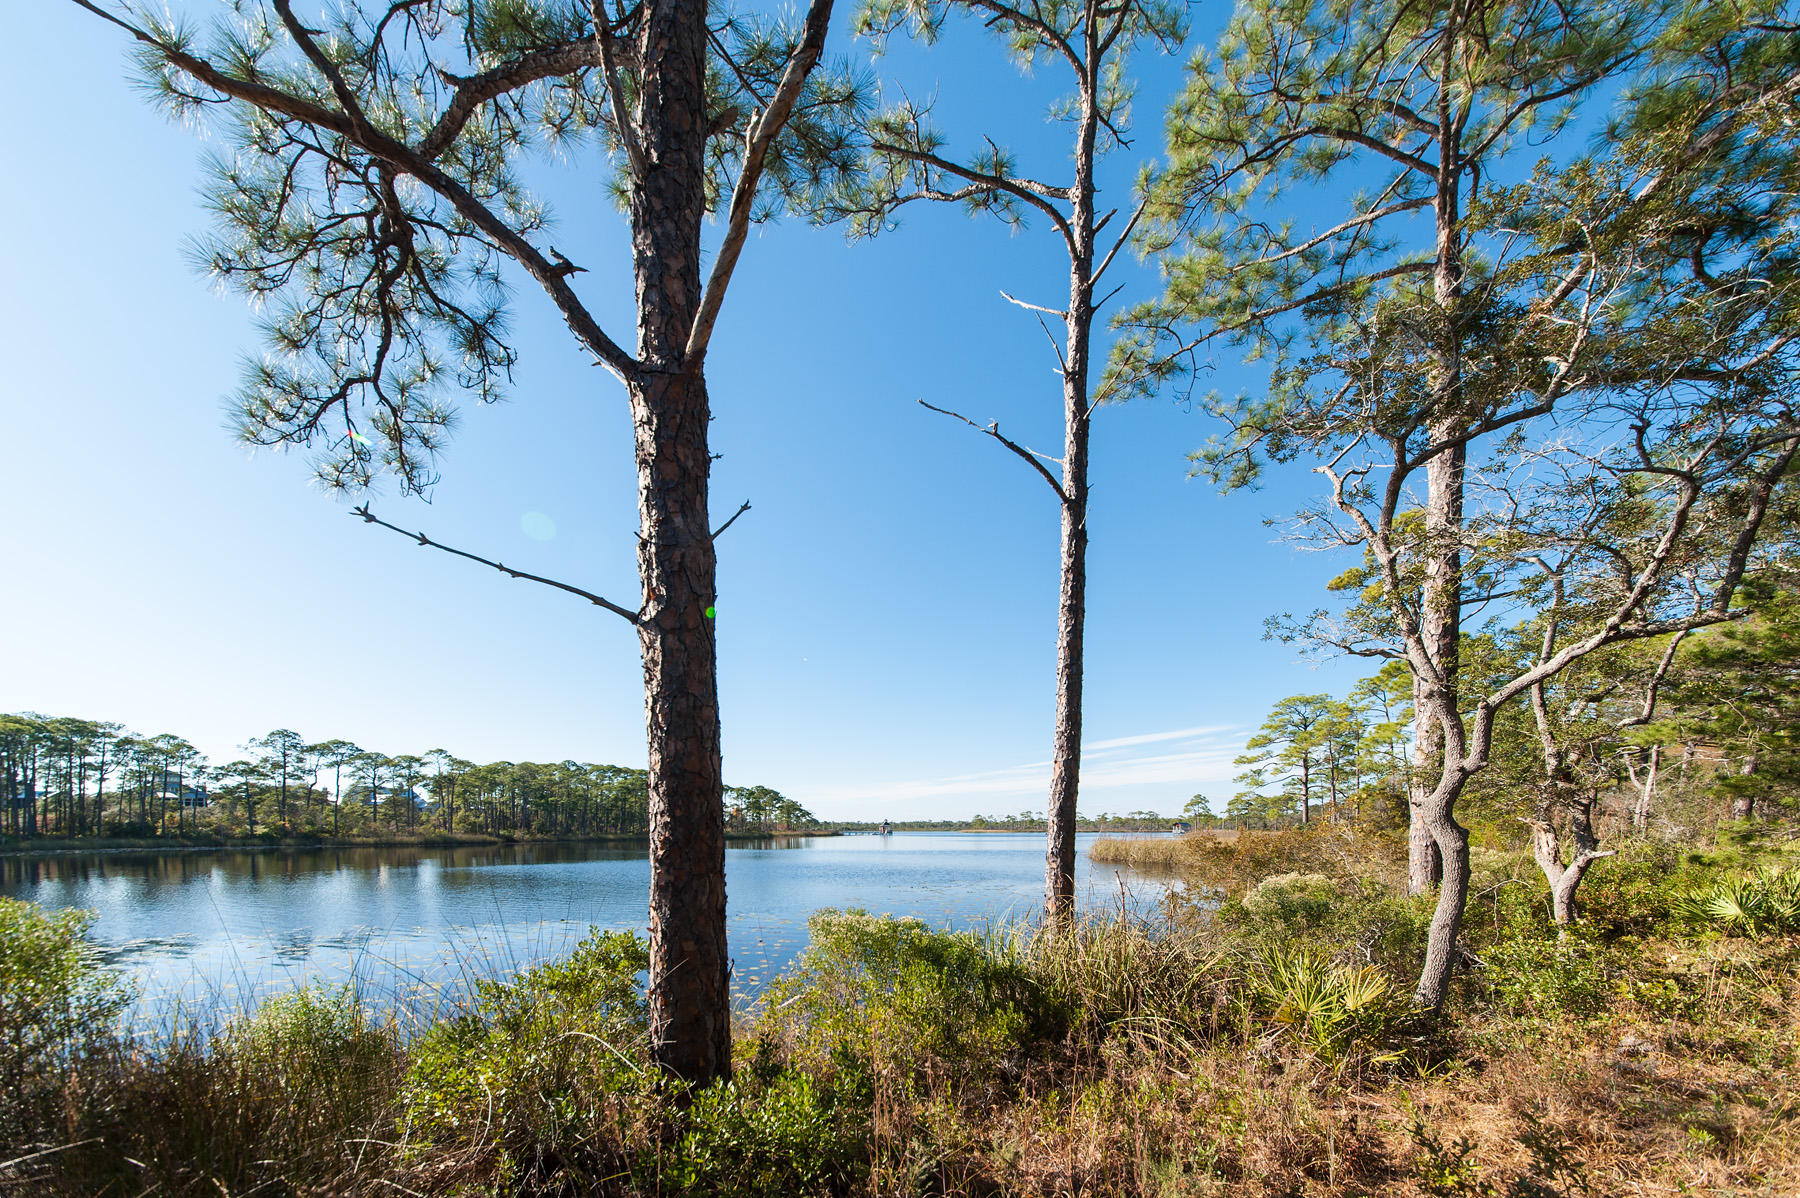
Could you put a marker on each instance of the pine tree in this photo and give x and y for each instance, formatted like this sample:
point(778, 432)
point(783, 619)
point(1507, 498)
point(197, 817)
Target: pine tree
point(369, 196)
point(908, 160)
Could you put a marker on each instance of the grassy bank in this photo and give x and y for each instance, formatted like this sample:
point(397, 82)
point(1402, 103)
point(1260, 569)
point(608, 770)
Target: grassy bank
point(1190, 851)
point(1262, 1047)
point(17, 846)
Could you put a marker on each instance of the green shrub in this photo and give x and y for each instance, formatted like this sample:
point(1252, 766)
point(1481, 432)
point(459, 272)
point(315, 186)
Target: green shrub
point(1532, 975)
point(57, 1003)
point(1635, 892)
point(782, 1135)
point(1364, 920)
point(316, 1045)
point(893, 992)
point(1339, 1015)
point(1753, 905)
point(1298, 902)
point(534, 1061)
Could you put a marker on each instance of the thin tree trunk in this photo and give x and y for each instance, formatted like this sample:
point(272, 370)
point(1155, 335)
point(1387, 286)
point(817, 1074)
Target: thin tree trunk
point(1640, 811)
point(1743, 805)
point(1071, 612)
point(1440, 613)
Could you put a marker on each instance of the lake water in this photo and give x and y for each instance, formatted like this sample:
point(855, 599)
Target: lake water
point(211, 931)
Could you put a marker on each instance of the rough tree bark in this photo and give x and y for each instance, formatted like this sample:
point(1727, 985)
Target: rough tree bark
point(690, 997)
point(1434, 836)
point(1071, 611)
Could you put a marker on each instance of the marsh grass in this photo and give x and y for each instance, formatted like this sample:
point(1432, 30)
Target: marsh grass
point(1251, 1041)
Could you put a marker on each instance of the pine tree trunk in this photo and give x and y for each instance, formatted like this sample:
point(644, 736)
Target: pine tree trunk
point(689, 967)
point(1071, 612)
point(690, 998)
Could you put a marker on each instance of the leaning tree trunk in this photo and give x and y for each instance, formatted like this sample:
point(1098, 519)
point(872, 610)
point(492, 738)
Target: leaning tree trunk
point(1452, 842)
point(689, 990)
point(1440, 608)
point(1071, 613)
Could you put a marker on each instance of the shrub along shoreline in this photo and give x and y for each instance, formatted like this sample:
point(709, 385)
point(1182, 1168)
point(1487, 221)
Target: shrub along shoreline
point(1254, 1038)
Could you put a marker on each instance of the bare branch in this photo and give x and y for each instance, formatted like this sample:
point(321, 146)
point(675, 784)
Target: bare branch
point(992, 428)
point(742, 508)
point(1662, 669)
point(615, 91)
point(1056, 312)
point(1124, 236)
point(421, 538)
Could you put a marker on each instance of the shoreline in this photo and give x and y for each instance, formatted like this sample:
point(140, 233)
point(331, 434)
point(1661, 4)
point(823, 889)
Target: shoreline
point(109, 845)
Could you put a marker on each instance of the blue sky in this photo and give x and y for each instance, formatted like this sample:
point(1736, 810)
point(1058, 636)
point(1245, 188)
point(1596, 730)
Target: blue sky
point(887, 608)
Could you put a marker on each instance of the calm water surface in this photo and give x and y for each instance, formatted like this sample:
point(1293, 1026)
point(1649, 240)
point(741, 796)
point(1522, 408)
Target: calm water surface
point(210, 931)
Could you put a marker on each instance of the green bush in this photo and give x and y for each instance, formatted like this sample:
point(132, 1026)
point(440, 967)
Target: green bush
point(1297, 901)
point(893, 992)
point(1753, 905)
point(57, 1003)
point(1545, 977)
point(317, 1045)
point(1635, 892)
point(782, 1135)
point(534, 1061)
point(1363, 919)
point(1338, 1015)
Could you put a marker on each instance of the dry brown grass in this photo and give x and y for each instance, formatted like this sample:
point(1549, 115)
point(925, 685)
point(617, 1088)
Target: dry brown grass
point(1235, 861)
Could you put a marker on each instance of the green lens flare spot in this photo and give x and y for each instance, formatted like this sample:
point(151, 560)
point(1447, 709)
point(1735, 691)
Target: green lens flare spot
point(712, 612)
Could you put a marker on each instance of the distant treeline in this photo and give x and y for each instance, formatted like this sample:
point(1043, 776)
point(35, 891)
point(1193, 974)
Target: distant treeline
point(65, 776)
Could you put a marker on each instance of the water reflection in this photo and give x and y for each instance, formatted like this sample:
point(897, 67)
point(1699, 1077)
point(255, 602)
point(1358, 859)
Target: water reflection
point(214, 930)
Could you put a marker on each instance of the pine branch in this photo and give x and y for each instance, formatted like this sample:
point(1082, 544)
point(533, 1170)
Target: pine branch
point(630, 616)
point(992, 429)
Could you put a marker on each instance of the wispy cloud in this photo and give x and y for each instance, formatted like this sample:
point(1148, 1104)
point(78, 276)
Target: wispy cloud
point(1120, 742)
point(1194, 754)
